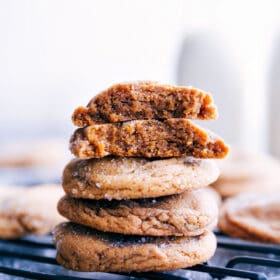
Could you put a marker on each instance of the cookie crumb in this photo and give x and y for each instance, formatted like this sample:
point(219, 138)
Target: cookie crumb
point(108, 196)
point(74, 191)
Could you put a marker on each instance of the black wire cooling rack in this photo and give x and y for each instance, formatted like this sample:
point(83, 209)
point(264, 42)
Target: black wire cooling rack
point(34, 258)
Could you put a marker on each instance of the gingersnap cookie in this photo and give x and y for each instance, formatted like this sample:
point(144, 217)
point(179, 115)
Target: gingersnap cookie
point(145, 100)
point(28, 210)
point(84, 249)
point(252, 216)
point(188, 214)
point(263, 185)
point(232, 230)
point(29, 153)
point(132, 178)
point(244, 172)
point(147, 138)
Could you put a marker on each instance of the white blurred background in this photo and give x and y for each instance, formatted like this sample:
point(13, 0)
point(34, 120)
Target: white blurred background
point(55, 55)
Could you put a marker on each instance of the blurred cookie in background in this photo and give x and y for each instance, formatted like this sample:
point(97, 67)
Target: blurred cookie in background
point(243, 172)
point(42, 152)
point(32, 162)
point(28, 210)
point(252, 216)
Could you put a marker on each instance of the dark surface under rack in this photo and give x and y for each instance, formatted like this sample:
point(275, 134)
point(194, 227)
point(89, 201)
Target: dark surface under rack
point(34, 258)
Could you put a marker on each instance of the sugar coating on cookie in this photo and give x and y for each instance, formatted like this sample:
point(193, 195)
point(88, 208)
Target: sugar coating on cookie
point(189, 214)
point(145, 100)
point(83, 249)
point(29, 210)
point(252, 216)
point(132, 178)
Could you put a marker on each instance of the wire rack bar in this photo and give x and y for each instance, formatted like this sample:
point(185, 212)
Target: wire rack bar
point(40, 250)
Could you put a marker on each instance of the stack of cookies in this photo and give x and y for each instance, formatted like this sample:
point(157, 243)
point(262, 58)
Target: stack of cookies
point(135, 194)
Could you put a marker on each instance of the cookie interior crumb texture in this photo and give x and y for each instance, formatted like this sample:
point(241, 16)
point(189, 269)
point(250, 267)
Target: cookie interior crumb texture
point(145, 100)
point(147, 138)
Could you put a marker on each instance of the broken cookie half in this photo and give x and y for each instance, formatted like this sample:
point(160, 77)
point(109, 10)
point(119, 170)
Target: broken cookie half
point(147, 138)
point(145, 100)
